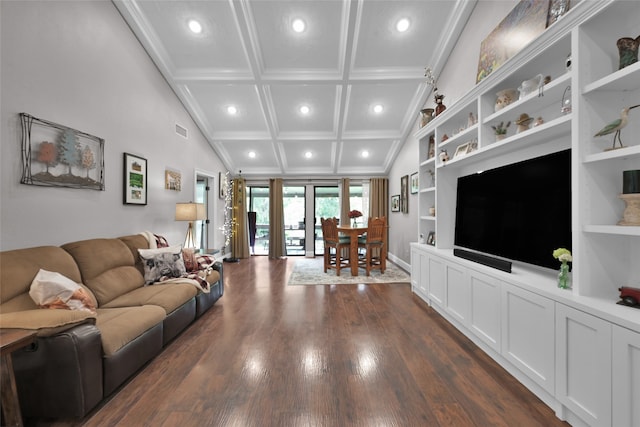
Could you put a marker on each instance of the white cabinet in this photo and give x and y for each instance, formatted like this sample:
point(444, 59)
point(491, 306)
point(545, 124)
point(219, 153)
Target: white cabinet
point(437, 283)
point(528, 334)
point(626, 377)
point(580, 350)
point(583, 370)
point(485, 318)
point(419, 274)
point(457, 292)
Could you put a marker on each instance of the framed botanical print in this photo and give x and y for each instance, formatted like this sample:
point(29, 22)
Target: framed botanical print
point(395, 203)
point(135, 180)
point(414, 183)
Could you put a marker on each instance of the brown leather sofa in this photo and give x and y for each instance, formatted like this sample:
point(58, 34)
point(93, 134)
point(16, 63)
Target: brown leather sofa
point(79, 358)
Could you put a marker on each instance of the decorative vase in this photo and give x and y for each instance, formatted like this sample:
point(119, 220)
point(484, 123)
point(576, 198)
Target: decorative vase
point(500, 136)
point(628, 51)
point(505, 97)
point(426, 115)
point(353, 223)
point(564, 281)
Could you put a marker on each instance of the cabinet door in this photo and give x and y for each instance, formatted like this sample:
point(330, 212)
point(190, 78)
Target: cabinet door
point(626, 377)
point(484, 317)
point(419, 272)
point(528, 339)
point(583, 358)
point(457, 301)
point(436, 281)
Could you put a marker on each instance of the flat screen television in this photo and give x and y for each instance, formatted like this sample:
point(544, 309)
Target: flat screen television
point(519, 212)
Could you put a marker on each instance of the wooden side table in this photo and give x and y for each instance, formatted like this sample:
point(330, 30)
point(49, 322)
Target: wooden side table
point(10, 341)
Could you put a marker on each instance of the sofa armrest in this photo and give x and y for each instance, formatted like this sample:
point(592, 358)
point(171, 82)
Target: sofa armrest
point(218, 267)
point(46, 321)
point(60, 376)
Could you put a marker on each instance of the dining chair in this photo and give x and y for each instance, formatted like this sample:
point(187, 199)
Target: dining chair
point(340, 244)
point(374, 245)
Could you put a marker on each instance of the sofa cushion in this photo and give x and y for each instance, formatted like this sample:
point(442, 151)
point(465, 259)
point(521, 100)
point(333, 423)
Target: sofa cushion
point(169, 296)
point(107, 267)
point(45, 322)
point(135, 242)
point(119, 326)
point(20, 266)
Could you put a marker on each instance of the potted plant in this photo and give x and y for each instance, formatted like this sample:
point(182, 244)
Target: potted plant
point(500, 130)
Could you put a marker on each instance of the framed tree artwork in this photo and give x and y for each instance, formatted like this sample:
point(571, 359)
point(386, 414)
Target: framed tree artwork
point(135, 180)
point(55, 155)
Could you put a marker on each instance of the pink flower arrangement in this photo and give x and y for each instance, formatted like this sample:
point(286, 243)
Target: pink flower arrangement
point(355, 214)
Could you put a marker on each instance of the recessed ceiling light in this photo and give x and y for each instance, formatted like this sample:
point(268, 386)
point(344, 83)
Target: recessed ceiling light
point(403, 25)
point(195, 26)
point(308, 154)
point(304, 109)
point(252, 154)
point(365, 154)
point(378, 108)
point(232, 110)
point(298, 25)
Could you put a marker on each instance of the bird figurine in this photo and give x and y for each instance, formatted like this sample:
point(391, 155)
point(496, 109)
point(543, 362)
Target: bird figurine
point(616, 126)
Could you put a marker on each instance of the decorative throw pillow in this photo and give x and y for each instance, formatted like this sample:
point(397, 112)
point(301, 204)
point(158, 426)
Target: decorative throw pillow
point(50, 289)
point(190, 262)
point(162, 263)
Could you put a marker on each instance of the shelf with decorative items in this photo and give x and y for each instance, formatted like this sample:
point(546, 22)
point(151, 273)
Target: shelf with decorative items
point(587, 91)
point(608, 150)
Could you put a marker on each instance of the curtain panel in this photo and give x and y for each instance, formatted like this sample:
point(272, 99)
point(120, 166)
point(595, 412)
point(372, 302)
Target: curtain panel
point(345, 203)
point(277, 247)
point(240, 235)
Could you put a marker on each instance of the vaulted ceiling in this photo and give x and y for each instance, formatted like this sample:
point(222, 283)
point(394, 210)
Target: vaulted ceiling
point(338, 97)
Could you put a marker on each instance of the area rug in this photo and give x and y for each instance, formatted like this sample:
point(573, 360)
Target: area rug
point(309, 271)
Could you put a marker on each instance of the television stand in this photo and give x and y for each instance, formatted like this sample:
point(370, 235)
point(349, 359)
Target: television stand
point(484, 259)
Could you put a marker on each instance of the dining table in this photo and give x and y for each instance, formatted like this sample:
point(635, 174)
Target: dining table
point(353, 233)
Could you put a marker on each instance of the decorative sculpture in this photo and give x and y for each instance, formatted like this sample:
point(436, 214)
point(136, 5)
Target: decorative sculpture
point(616, 126)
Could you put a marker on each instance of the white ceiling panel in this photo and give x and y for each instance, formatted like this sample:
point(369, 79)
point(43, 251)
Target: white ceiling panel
point(290, 101)
point(349, 58)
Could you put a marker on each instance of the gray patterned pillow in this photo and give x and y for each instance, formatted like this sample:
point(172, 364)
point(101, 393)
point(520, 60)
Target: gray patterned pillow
point(161, 264)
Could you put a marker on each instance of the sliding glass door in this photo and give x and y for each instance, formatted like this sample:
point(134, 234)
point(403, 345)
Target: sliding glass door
point(258, 202)
point(327, 205)
point(294, 219)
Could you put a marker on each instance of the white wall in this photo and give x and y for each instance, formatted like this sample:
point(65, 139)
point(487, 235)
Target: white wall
point(457, 78)
point(77, 63)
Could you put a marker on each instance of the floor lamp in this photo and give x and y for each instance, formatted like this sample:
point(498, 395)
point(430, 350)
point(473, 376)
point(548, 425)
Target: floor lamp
point(190, 212)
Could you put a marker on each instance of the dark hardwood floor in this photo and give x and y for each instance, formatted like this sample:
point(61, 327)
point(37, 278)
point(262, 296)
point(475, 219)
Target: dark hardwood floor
point(268, 354)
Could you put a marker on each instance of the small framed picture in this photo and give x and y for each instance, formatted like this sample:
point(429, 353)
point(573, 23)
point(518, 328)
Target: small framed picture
point(404, 194)
point(395, 203)
point(135, 180)
point(172, 180)
point(414, 183)
point(431, 147)
point(431, 238)
point(461, 150)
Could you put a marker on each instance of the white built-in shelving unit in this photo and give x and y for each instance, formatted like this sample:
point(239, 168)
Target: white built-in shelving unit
point(576, 349)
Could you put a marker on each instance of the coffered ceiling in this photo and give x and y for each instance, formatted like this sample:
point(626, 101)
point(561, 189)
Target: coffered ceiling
point(273, 101)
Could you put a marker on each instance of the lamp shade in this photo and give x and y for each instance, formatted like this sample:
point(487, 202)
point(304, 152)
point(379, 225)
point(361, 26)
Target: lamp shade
point(190, 211)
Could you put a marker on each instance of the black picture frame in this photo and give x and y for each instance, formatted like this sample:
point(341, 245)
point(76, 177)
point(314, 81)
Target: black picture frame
point(135, 180)
point(431, 238)
point(404, 194)
point(395, 203)
point(414, 183)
